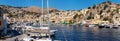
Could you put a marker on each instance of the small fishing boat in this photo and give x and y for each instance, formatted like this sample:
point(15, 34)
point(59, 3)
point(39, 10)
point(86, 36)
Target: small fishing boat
point(107, 26)
point(115, 26)
point(91, 25)
point(101, 25)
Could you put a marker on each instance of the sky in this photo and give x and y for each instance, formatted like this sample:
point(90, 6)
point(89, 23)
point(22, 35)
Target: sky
point(58, 4)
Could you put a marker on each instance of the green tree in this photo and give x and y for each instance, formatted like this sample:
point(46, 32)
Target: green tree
point(108, 0)
point(105, 6)
point(89, 7)
point(118, 9)
point(107, 18)
point(91, 16)
point(75, 16)
point(94, 6)
point(100, 12)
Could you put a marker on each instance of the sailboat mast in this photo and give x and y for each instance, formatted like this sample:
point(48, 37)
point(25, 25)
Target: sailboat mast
point(48, 17)
point(42, 13)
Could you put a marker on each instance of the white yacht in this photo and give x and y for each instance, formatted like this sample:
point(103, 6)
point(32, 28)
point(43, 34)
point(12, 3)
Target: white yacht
point(101, 25)
point(40, 33)
point(116, 26)
point(35, 29)
point(36, 38)
point(91, 25)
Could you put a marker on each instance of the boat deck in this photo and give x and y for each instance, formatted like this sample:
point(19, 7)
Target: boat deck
point(40, 31)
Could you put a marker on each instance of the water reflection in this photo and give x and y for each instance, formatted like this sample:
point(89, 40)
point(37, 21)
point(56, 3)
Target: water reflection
point(81, 33)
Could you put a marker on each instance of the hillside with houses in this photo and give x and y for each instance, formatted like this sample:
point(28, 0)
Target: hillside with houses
point(104, 13)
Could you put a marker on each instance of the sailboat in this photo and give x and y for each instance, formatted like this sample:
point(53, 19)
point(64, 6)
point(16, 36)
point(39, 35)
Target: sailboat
point(40, 33)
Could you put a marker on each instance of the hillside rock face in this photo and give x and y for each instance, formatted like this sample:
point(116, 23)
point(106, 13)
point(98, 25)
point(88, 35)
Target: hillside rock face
point(106, 12)
point(33, 9)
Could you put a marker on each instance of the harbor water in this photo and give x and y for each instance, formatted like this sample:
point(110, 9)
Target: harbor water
point(81, 33)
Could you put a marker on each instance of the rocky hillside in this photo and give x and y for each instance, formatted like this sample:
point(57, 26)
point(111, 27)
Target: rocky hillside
point(106, 12)
point(23, 13)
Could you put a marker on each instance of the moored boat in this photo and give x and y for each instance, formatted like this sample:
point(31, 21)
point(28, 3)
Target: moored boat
point(101, 25)
point(91, 25)
point(115, 26)
point(36, 38)
point(107, 26)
